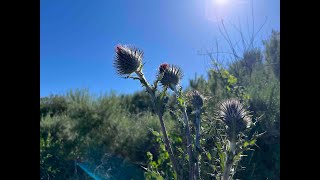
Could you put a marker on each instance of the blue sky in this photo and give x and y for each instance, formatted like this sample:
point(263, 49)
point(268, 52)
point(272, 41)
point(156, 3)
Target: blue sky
point(77, 38)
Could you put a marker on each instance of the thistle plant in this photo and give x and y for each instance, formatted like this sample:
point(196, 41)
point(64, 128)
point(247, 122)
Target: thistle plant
point(196, 99)
point(237, 119)
point(128, 63)
point(128, 60)
point(171, 77)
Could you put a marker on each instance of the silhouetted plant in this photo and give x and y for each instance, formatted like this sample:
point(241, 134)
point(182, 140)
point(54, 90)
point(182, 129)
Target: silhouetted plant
point(196, 99)
point(128, 60)
point(231, 112)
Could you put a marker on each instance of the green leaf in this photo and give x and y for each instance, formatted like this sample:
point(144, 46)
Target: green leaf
point(245, 144)
point(174, 175)
point(252, 142)
point(208, 155)
point(232, 80)
point(154, 132)
point(224, 73)
point(150, 156)
point(180, 150)
point(166, 155)
point(249, 143)
point(154, 164)
point(222, 157)
point(246, 97)
point(162, 147)
point(187, 157)
point(157, 176)
point(180, 101)
point(178, 140)
point(158, 140)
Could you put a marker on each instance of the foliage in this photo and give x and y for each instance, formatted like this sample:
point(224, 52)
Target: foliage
point(89, 128)
point(52, 105)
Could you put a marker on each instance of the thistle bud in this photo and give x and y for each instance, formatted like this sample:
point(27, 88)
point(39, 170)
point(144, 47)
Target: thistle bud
point(127, 60)
point(196, 98)
point(171, 75)
point(233, 113)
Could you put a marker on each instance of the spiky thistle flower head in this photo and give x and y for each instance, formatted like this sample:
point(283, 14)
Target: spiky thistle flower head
point(128, 59)
point(171, 75)
point(196, 98)
point(233, 113)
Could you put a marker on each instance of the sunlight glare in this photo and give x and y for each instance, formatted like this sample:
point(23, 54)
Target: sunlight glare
point(221, 2)
point(215, 10)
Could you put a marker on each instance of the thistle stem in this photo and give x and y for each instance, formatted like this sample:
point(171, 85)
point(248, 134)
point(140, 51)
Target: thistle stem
point(162, 124)
point(227, 167)
point(197, 143)
point(188, 137)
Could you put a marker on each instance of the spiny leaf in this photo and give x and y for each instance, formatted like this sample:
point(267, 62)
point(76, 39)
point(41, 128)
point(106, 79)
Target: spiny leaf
point(245, 144)
point(252, 142)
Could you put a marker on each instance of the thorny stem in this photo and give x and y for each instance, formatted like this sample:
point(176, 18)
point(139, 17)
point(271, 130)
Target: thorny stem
point(230, 154)
point(188, 136)
point(197, 144)
point(163, 127)
point(227, 166)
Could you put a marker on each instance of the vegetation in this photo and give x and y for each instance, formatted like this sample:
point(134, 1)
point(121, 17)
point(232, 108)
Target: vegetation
point(77, 127)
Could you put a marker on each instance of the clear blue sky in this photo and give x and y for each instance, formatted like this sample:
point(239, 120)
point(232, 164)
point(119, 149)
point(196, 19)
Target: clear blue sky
point(77, 38)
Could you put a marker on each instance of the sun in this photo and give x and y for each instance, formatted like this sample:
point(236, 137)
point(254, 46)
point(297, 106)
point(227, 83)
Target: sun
point(221, 2)
point(215, 10)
